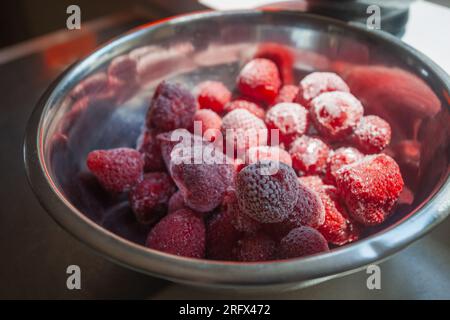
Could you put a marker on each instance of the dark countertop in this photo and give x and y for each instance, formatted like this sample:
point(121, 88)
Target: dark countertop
point(35, 251)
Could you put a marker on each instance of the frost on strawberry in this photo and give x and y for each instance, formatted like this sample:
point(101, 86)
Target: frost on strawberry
point(370, 188)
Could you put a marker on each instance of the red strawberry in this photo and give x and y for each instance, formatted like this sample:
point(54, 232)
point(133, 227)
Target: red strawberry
point(117, 170)
point(172, 107)
point(288, 93)
point(259, 80)
point(370, 188)
point(267, 191)
point(213, 95)
point(255, 247)
point(302, 241)
point(181, 233)
point(309, 155)
point(372, 134)
point(317, 83)
point(289, 119)
point(247, 105)
point(149, 198)
point(336, 114)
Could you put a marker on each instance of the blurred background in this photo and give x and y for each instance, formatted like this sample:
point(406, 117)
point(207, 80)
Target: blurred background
point(24, 19)
point(35, 47)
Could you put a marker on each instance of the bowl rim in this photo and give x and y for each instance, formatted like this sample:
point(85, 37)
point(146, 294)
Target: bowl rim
point(200, 271)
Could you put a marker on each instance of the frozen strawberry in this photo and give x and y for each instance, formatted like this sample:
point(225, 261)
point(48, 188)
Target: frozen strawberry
point(302, 241)
point(313, 182)
point(176, 202)
point(148, 199)
point(274, 153)
point(259, 80)
point(117, 170)
point(370, 188)
point(246, 105)
point(221, 236)
point(309, 155)
point(267, 191)
point(372, 134)
point(238, 164)
point(172, 107)
point(255, 247)
point(179, 138)
point(207, 123)
point(308, 211)
point(169, 140)
point(149, 147)
point(340, 158)
point(317, 83)
point(181, 233)
point(241, 222)
point(213, 95)
point(243, 130)
point(289, 119)
point(336, 114)
point(202, 182)
point(166, 143)
point(337, 228)
point(282, 56)
point(287, 93)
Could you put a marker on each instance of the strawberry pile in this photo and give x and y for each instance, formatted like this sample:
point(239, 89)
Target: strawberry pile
point(278, 171)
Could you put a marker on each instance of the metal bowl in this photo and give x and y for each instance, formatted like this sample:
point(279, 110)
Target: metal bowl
point(80, 112)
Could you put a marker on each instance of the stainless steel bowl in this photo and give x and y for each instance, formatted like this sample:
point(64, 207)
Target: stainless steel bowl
point(391, 78)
